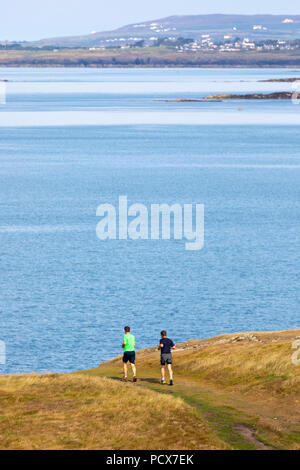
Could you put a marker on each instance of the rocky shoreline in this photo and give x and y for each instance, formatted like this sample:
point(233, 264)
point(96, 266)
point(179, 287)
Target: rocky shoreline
point(281, 95)
point(281, 80)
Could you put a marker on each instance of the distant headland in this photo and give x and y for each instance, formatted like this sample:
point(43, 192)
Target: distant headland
point(175, 41)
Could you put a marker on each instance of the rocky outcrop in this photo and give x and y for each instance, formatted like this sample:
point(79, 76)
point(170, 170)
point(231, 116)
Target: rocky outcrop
point(281, 80)
point(281, 95)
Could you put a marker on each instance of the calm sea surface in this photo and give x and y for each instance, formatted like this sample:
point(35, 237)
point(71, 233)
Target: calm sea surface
point(73, 139)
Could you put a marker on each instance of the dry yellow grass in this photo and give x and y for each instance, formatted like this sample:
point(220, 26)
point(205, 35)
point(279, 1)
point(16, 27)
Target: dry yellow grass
point(247, 361)
point(84, 412)
point(237, 391)
point(232, 380)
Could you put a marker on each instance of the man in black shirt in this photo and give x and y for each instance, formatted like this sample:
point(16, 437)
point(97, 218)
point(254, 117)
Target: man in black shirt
point(165, 346)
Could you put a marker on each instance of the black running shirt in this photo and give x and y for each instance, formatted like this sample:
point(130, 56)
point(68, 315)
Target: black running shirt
point(168, 344)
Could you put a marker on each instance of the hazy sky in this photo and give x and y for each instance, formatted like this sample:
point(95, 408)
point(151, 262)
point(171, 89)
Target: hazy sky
point(35, 19)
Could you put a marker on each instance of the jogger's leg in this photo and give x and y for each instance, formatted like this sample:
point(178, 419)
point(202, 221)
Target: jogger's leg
point(133, 370)
point(162, 372)
point(125, 369)
point(170, 371)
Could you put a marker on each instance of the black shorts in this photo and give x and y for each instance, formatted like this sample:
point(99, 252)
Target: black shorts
point(129, 356)
point(166, 358)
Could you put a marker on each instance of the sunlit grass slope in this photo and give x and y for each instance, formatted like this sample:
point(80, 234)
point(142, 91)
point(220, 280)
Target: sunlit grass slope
point(237, 391)
point(83, 412)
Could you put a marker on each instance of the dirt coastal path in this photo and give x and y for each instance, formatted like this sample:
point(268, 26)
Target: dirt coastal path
point(232, 392)
point(244, 387)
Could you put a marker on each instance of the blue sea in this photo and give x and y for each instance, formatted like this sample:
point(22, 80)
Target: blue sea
point(71, 139)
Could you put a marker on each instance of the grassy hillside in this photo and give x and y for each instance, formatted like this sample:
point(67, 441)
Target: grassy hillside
point(231, 392)
point(146, 57)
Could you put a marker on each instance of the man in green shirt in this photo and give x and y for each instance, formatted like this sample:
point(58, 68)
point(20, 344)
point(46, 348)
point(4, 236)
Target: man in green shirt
point(129, 353)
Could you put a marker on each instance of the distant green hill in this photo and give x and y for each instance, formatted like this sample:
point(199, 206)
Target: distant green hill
point(284, 27)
